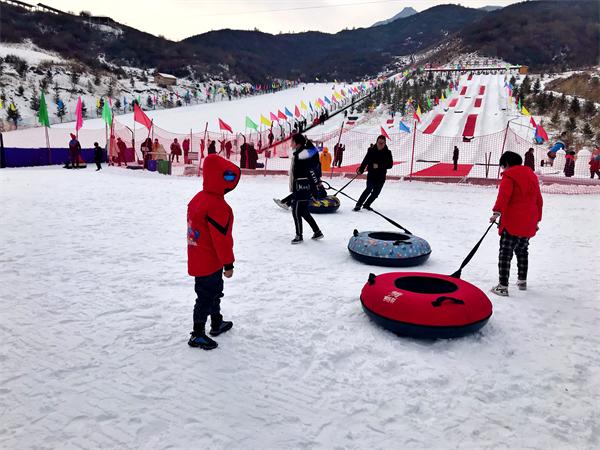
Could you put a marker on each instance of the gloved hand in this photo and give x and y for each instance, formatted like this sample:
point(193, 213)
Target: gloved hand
point(495, 217)
point(358, 171)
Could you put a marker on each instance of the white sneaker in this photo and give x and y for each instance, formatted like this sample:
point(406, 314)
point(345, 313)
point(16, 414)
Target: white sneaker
point(500, 290)
point(522, 285)
point(281, 204)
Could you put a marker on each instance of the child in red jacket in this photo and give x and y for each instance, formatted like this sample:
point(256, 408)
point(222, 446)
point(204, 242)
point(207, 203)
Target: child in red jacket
point(519, 207)
point(210, 247)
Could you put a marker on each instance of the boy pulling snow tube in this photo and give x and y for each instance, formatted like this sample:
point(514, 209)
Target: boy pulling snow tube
point(425, 305)
point(325, 205)
point(389, 249)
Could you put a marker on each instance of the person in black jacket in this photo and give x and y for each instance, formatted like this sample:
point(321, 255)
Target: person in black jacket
point(98, 154)
point(455, 157)
point(377, 161)
point(303, 184)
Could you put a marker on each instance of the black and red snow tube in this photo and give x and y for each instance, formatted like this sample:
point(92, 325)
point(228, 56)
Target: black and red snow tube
point(425, 305)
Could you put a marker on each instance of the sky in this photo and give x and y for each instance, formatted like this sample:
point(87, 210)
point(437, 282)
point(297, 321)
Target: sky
point(179, 19)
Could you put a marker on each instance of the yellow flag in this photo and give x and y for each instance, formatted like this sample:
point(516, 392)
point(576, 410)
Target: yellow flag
point(525, 112)
point(12, 107)
point(338, 96)
point(419, 110)
point(1, 105)
point(303, 105)
point(98, 103)
point(265, 121)
point(443, 98)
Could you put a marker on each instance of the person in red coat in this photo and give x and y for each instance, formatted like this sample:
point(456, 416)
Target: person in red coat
point(210, 247)
point(186, 150)
point(175, 151)
point(519, 208)
point(122, 147)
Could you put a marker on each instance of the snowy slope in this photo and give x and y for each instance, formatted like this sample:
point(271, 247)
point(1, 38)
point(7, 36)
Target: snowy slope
point(96, 306)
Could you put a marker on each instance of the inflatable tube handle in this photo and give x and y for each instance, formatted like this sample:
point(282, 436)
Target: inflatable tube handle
point(440, 300)
point(355, 232)
point(398, 242)
point(371, 279)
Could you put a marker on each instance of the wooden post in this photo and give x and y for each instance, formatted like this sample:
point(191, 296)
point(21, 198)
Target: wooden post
point(338, 143)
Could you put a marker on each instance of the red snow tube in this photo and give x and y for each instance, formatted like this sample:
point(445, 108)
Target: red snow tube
point(425, 305)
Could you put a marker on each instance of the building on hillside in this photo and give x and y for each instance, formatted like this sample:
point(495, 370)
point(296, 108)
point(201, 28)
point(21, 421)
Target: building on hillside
point(164, 79)
point(20, 4)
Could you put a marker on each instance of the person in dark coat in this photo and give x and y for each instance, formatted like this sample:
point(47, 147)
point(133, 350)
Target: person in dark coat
point(244, 155)
point(271, 138)
point(377, 162)
point(74, 151)
point(228, 148)
point(212, 148)
point(455, 158)
point(98, 154)
point(569, 164)
point(252, 157)
point(122, 148)
point(303, 184)
point(529, 159)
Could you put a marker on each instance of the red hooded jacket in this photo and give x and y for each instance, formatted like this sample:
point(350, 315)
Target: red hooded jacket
point(519, 202)
point(210, 219)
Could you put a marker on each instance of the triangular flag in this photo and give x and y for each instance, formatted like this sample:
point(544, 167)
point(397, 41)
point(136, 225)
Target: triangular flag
point(541, 132)
point(140, 116)
point(416, 117)
point(296, 111)
point(43, 111)
point(532, 122)
point(1, 105)
point(265, 121)
point(274, 118)
point(524, 111)
point(443, 98)
point(251, 124)
point(311, 107)
point(12, 106)
point(419, 111)
point(281, 115)
point(404, 128)
point(429, 103)
point(107, 114)
point(78, 115)
point(384, 134)
point(288, 113)
point(224, 126)
point(303, 105)
point(327, 100)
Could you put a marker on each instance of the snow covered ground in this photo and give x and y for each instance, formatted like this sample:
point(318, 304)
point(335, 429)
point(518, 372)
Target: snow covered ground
point(96, 305)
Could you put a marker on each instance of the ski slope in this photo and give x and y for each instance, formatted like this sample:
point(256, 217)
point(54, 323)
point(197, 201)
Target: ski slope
point(96, 307)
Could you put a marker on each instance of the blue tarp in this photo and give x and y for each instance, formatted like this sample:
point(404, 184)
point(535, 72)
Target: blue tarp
point(27, 157)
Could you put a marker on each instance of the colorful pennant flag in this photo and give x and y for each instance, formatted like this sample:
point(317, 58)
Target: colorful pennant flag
point(288, 113)
point(404, 128)
point(140, 116)
point(79, 115)
point(539, 131)
point(107, 114)
point(224, 126)
point(296, 111)
point(281, 115)
point(274, 118)
point(384, 133)
point(265, 121)
point(43, 111)
point(251, 124)
point(303, 105)
point(525, 112)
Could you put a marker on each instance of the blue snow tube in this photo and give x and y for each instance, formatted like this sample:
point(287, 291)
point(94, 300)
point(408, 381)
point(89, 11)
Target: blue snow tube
point(559, 145)
point(325, 205)
point(389, 249)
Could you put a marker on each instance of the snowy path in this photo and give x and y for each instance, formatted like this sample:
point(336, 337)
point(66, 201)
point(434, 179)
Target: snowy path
point(96, 305)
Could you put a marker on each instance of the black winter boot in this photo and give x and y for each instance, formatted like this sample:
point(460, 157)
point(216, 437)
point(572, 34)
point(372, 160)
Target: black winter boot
point(218, 325)
point(202, 340)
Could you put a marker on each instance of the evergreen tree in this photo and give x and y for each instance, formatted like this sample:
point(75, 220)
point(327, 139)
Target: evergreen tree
point(556, 119)
point(537, 86)
point(34, 103)
point(111, 88)
point(56, 93)
point(117, 104)
point(571, 124)
point(12, 113)
point(575, 107)
point(589, 109)
point(90, 87)
point(74, 77)
point(97, 80)
point(587, 131)
point(132, 81)
point(562, 102)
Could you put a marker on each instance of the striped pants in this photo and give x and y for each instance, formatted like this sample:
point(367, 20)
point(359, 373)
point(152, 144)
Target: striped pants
point(510, 244)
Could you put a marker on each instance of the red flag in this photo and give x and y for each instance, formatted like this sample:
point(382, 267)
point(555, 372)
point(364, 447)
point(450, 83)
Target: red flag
point(532, 122)
point(384, 134)
point(281, 115)
point(416, 116)
point(274, 118)
point(79, 115)
point(297, 112)
point(140, 116)
point(541, 132)
point(224, 126)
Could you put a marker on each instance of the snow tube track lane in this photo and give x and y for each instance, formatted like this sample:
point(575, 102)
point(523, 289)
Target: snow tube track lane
point(453, 103)
point(463, 91)
point(481, 90)
point(478, 103)
point(425, 305)
point(469, 130)
point(434, 124)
